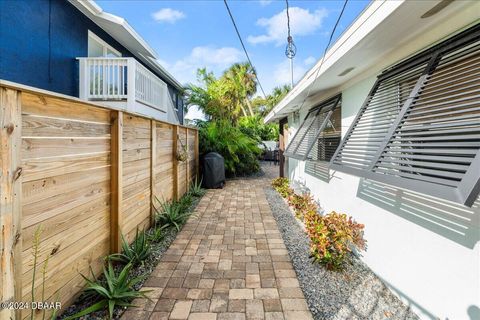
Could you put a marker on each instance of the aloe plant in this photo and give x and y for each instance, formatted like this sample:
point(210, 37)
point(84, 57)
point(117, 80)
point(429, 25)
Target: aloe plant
point(135, 253)
point(196, 189)
point(114, 290)
point(170, 214)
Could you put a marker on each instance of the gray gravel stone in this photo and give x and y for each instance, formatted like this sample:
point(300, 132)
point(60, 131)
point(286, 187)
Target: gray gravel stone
point(355, 293)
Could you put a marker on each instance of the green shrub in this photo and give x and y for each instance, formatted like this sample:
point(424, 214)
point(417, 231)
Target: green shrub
point(332, 237)
point(114, 290)
point(170, 214)
point(239, 150)
point(254, 127)
point(135, 253)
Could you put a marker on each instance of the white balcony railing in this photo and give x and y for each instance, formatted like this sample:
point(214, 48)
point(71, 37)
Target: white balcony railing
point(118, 79)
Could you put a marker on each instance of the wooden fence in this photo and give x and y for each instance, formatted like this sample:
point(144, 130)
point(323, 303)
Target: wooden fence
point(84, 173)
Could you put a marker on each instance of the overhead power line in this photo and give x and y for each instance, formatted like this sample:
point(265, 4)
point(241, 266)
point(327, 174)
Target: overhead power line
point(324, 53)
point(243, 46)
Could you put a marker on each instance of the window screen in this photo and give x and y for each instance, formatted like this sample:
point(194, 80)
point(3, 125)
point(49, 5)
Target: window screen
point(419, 128)
point(317, 124)
point(329, 139)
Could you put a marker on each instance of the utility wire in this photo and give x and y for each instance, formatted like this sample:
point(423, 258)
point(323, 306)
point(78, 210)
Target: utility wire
point(324, 53)
point(243, 46)
point(288, 19)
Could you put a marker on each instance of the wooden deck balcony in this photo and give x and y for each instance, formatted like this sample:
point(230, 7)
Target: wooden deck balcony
point(123, 83)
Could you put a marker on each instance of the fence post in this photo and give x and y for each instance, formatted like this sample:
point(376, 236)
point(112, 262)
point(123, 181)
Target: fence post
point(197, 156)
point(10, 200)
point(153, 165)
point(175, 161)
point(116, 182)
point(187, 162)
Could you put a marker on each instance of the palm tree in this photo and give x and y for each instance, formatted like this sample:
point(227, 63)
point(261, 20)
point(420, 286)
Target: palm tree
point(243, 75)
point(217, 98)
point(266, 105)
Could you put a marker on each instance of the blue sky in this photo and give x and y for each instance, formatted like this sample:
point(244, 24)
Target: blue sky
point(192, 34)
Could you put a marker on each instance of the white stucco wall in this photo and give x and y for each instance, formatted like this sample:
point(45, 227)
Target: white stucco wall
point(425, 249)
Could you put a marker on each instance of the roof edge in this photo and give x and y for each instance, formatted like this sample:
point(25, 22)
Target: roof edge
point(152, 60)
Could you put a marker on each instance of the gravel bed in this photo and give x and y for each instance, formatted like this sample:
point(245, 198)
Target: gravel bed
point(355, 293)
point(157, 251)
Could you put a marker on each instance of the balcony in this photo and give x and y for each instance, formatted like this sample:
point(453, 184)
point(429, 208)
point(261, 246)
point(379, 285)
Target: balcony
point(123, 83)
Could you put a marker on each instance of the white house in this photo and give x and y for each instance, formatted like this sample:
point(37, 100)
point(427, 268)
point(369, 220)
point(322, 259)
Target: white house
point(386, 128)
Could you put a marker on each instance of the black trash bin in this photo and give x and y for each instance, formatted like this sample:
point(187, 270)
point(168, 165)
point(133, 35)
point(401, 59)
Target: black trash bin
point(213, 171)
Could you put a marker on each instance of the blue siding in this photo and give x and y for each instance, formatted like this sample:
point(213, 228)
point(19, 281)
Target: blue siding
point(39, 41)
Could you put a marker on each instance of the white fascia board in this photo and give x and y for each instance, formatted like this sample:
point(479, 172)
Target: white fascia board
point(97, 11)
point(367, 21)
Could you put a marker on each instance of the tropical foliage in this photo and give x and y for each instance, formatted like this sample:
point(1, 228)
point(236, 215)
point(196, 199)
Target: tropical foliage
point(265, 105)
point(227, 97)
point(282, 186)
point(254, 127)
point(234, 125)
point(332, 237)
point(239, 150)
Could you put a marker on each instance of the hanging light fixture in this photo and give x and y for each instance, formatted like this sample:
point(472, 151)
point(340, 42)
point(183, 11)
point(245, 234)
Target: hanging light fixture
point(291, 49)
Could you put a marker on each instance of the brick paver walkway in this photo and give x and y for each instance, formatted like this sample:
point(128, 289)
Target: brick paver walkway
point(228, 262)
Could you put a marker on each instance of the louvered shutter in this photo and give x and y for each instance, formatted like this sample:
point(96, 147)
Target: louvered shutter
point(375, 118)
point(314, 124)
point(432, 144)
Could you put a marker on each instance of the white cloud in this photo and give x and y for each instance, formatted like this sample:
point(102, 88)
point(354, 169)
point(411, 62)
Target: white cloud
point(168, 15)
point(264, 3)
point(310, 60)
point(195, 113)
point(213, 58)
point(302, 22)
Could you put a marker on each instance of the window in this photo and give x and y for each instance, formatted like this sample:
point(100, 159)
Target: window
point(330, 138)
point(319, 133)
point(431, 144)
point(99, 48)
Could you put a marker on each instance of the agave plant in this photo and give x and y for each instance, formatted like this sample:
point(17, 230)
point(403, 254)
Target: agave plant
point(170, 213)
point(185, 202)
point(196, 189)
point(135, 253)
point(157, 233)
point(114, 290)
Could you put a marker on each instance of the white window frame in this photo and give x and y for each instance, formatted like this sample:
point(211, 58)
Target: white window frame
point(93, 37)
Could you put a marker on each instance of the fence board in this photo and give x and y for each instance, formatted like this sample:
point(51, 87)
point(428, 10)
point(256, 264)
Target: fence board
point(136, 175)
point(65, 155)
